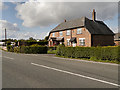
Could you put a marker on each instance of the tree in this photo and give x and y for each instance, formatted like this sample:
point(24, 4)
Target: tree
point(46, 38)
point(31, 38)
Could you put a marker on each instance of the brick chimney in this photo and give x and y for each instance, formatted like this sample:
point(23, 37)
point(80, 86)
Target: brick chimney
point(65, 20)
point(93, 15)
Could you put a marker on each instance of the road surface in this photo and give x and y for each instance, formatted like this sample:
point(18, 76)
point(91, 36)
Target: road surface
point(48, 71)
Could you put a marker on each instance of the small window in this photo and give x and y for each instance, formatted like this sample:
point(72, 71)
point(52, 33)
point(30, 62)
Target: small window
point(81, 41)
point(60, 33)
point(53, 34)
point(68, 42)
point(68, 32)
point(79, 31)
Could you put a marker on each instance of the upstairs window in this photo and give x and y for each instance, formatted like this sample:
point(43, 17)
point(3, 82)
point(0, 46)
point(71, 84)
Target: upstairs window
point(53, 34)
point(68, 32)
point(60, 33)
point(79, 31)
point(81, 41)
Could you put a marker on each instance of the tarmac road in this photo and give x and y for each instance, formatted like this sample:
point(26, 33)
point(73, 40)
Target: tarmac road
point(48, 71)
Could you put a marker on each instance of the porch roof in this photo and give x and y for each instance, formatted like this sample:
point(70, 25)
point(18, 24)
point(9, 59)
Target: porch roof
point(73, 39)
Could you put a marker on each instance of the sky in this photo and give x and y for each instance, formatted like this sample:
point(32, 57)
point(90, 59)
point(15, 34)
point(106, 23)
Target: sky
point(36, 19)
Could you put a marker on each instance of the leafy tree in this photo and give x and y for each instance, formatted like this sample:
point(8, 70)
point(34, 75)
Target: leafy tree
point(46, 38)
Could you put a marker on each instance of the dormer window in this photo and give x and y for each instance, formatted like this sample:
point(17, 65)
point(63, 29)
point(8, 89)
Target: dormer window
point(53, 34)
point(79, 31)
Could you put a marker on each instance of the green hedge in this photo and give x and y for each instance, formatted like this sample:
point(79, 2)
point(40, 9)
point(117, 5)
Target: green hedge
point(28, 49)
point(101, 53)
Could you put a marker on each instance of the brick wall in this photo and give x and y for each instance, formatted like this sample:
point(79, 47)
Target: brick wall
point(102, 40)
point(90, 40)
point(85, 34)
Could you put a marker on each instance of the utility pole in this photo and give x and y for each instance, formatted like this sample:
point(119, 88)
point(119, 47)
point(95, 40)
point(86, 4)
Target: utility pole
point(5, 35)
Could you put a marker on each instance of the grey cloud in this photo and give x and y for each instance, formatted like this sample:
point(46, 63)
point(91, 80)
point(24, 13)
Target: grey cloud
point(44, 14)
point(8, 25)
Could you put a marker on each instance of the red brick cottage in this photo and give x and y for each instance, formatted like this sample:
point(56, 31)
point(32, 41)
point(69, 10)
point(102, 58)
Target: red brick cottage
point(82, 32)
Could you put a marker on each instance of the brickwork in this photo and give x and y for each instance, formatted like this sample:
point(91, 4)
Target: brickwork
point(90, 40)
point(102, 40)
point(85, 34)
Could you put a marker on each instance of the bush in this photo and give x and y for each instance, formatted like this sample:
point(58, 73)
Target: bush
point(10, 48)
point(17, 49)
point(34, 49)
point(51, 51)
point(52, 48)
point(97, 53)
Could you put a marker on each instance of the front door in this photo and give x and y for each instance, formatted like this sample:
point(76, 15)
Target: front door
point(73, 44)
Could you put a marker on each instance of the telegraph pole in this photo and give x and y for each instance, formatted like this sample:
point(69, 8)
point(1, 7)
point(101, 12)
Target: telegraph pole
point(5, 35)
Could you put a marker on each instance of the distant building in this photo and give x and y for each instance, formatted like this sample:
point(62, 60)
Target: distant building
point(117, 39)
point(82, 32)
point(37, 40)
point(2, 43)
point(13, 43)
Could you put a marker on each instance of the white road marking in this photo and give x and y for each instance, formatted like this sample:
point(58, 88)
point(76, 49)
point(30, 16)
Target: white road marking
point(44, 56)
point(87, 61)
point(8, 57)
point(102, 81)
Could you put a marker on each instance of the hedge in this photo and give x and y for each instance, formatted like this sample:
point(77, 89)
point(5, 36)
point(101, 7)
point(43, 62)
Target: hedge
point(101, 53)
point(28, 49)
point(28, 43)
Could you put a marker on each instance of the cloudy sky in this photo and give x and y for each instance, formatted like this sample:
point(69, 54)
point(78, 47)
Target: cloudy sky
point(36, 19)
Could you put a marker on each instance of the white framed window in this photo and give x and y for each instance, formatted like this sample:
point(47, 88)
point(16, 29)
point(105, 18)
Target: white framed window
point(68, 32)
point(79, 31)
point(68, 42)
point(81, 41)
point(53, 34)
point(60, 33)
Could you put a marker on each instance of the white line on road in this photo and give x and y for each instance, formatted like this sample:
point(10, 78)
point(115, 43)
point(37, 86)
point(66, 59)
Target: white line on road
point(44, 56)
point(102, 81)
point(8, 57)
point(86, 61)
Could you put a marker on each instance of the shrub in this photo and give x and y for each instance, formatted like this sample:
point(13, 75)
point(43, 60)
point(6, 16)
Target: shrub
point(51, 51)
point(33, 49)
point(17, 49)
point(97, 53)
point(10, 48)
point(52, 48)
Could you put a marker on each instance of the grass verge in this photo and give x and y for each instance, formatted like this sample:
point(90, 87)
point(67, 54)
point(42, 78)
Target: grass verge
point(106, 61)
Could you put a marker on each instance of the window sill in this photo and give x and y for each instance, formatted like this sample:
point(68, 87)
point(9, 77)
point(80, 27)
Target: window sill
point(79, 33)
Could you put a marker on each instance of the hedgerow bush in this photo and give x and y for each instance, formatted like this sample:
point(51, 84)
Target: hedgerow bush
point(34, 49)
point(10, 48)
point(17, 49)
point(98, 53)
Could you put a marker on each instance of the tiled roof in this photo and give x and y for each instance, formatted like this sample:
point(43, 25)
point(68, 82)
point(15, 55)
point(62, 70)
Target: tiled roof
point(94, 27)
